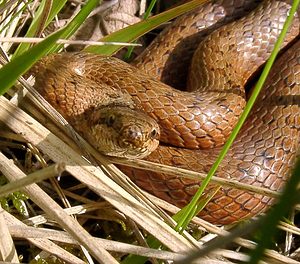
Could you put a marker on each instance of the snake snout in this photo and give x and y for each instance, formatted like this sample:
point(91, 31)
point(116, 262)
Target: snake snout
point(140, 137)
point(132, 134)
point(137, 134)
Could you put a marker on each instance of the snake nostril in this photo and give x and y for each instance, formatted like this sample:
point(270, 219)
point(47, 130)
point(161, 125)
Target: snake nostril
point(133, 134)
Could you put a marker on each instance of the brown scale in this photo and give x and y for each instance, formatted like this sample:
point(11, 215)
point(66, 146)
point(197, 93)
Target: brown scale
point(265, 149)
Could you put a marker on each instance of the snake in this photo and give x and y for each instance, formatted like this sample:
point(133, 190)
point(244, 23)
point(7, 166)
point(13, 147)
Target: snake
point(127, 110)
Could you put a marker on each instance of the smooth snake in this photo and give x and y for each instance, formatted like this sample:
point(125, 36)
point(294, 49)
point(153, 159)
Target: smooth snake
point(194, 124)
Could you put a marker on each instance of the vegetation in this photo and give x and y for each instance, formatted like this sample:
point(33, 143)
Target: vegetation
point(91, 208)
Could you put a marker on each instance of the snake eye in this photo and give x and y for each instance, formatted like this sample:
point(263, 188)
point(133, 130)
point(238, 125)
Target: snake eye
point(110, 120)
point(153, 133)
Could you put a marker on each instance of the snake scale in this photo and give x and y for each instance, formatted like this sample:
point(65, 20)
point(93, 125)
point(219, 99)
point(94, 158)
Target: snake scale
point(193, 124)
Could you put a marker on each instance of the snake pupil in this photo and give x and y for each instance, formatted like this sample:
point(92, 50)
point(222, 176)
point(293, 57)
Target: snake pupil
point(110, 120)
point(153, 133)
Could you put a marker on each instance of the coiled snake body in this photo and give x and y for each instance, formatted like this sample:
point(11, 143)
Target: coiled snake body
point(267, 145)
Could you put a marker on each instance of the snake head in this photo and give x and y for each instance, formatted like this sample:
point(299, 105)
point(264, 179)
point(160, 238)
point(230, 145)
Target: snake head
point(123, 132)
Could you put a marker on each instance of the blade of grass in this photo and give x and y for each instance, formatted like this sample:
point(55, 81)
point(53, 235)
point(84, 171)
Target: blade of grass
point(135, 31)
point(187, 213)
point(289, 198)
point(6, 5)
point(57, 5)
point(146, 15)
point(44, 17)
point(19, 65)
point(201, 203)
point(190, 209)
point(77, 21)
point(11, 71)
point(266, 225)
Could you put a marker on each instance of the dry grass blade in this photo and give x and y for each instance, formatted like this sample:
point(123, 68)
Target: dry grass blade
point(7, 247)
point(51, 171)
point(123, 198)
point(32, 131)
point(289, 228)
point(88, 151)
point(156, 167)
point(44, 201)
point(19, 230)
point(41, 242)
point(66, 41)
point(10, 15)
point(214, 230)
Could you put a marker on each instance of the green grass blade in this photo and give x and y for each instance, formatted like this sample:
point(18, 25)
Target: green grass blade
point(135, 31)
point(10, 72)
point(57, 5)
point(193, 204)
point(152, 242)
point(19, 65)
point(77, 21)
point(289, 198)
point(149, 9)
point(201, 203)
point(146, 15)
